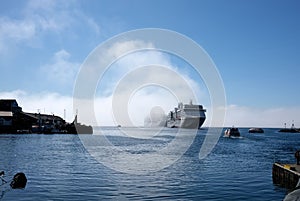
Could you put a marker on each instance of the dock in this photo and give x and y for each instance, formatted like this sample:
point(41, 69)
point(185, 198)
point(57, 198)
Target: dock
point(286, 175)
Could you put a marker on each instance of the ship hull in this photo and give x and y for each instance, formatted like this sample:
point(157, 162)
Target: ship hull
point(186, 122)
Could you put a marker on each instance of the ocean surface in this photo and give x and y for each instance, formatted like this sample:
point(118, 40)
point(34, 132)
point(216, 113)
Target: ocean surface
point(59, 167)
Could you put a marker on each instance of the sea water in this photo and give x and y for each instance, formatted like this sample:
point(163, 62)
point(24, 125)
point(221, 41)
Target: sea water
point(59, 167)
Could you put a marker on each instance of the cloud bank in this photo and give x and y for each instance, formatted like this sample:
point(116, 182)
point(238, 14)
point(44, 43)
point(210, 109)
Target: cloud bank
point(262, 117)
point(239, 116)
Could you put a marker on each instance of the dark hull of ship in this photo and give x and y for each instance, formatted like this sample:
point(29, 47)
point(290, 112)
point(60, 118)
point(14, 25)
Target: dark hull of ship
point(187, 122)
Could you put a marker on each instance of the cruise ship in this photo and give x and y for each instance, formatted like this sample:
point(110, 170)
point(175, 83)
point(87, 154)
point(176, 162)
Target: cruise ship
point(186, 116)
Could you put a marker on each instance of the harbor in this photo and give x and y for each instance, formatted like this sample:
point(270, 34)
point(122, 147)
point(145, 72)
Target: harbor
point(237, 169)
point(13, 120)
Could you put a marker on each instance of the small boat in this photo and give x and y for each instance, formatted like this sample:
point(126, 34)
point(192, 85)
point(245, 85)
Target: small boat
point(289, 130)
point(232, 132)
point(293, 129)
point(256, 130)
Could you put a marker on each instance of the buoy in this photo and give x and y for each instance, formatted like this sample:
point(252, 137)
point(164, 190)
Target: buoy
point(19, 181)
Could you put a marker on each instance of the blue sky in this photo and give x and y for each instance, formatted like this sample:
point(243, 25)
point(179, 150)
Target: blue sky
point(254, 44)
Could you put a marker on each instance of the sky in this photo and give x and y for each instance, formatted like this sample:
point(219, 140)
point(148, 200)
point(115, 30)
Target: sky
point(254, 45)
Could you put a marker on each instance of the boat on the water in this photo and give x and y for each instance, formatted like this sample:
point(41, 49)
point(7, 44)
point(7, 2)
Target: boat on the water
point(256, 130)
point(289, 130)
point(232, 132)
point(293, 129)
point(186, 116)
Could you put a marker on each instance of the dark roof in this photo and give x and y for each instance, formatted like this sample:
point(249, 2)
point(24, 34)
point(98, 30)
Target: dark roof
point(7, 104)
point(43, 116)
point(8, 100)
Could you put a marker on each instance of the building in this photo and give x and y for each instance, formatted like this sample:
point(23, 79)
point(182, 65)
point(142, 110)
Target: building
point(6, 118)
point(9, 105)
point(8, 108)
point(14, 120)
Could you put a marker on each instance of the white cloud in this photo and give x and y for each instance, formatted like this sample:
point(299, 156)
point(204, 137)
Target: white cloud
point(131, 62)
point(50, 15)
point(120, 48)
point(16, 29)
point(144, 104)
point(60, 71)
point(125, 79)
point(43, 17)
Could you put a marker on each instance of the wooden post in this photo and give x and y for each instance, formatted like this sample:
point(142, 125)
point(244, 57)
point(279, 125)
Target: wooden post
point(297, 156)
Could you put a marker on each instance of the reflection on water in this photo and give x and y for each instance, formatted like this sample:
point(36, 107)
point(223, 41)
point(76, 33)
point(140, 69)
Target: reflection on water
point(58, 167)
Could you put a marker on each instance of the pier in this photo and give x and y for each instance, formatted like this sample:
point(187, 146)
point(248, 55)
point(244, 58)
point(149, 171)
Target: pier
point(287, 175)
